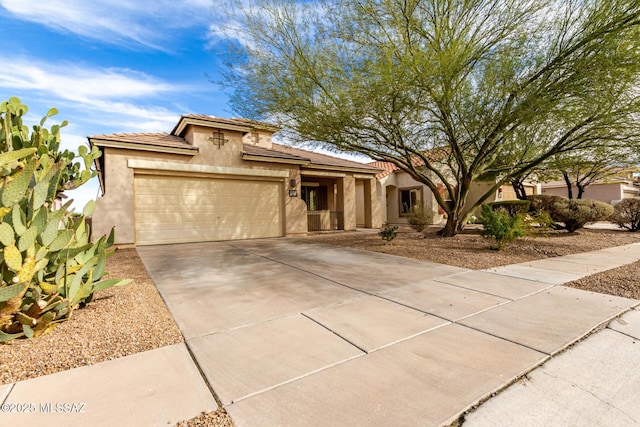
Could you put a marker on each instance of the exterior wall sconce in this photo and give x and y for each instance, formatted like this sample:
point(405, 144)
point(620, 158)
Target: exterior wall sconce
point(293, 192)
point(500, 193)
point(217, 138)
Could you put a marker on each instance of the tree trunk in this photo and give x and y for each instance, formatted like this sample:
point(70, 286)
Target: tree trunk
point(518, 187)
point(451, 227)
point(581, 189)
point(569, 185)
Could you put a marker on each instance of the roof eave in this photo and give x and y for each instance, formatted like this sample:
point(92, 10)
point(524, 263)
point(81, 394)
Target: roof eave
point(344, 168)
point(98, 162)
point(258, 158)
point(260, 125)
point(142, 147)
point(184, 122)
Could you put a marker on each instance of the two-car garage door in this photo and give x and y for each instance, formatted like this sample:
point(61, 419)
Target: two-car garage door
point(175, 209)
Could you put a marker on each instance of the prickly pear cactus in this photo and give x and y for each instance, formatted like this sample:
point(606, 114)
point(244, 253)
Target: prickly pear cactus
point(48, 266)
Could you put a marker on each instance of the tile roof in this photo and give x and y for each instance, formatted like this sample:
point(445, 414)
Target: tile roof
point(254, 150)
point(322, 159)
point(159, 139)
point(290, 153)
point(387, 167)
point(246, 123)
point(257, 124)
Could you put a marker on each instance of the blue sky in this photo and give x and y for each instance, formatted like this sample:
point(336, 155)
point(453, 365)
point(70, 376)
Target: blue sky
point(110, 65)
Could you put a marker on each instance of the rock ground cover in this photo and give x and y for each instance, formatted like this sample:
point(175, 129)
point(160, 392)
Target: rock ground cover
point(131, 319)
point(469, 250)
point(118, 322)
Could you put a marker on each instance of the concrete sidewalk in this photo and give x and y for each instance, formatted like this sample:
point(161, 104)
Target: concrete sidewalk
point(290, 332)
point(595, 383)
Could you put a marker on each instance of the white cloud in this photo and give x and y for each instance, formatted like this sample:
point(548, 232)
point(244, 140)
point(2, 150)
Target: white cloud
point(79, 83)
point(147, 23)
point(108, 96)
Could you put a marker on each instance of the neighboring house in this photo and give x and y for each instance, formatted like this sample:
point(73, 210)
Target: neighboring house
point(610, 191)
point(219, 179)
point(403, 194)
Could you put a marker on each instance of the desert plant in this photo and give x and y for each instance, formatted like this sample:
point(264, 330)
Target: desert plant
point(512, 207)
point(541, 221)
point(420, 218)
point(47, 264)
point(576, 213)
point(389, 232)
point(501, 226)
point(626, 214)
point(543, 202)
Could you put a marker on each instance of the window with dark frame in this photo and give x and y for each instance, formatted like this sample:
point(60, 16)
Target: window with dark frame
point(409, 199)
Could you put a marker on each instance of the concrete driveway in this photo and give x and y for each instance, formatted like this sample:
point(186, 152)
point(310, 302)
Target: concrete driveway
point(293, 332)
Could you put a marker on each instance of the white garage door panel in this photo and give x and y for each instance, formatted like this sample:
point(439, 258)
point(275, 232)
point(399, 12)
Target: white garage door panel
point(179, 209)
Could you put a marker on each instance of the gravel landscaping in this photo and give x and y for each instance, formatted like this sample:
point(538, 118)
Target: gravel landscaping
point(469, 250)
point(622, 281)
point(134, 318)
point(118, 322)
point(218, 418)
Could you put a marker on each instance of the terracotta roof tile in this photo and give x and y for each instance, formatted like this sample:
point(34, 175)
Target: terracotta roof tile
point(155, 139)
point(387, 167)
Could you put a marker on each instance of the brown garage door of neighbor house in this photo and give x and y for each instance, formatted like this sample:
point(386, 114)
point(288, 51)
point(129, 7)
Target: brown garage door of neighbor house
point(185, 209)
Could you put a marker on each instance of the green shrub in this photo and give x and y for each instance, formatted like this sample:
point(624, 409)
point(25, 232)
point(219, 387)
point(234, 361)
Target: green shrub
point(626, 214)
point(543, 202)
point(420, 218)
point(541, 221)
point(389, 232)
point(501, 226)
point(576, 213)
point(512, 207)
point(48, 265)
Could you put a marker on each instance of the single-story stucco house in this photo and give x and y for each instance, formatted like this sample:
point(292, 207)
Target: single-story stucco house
point(611, 191)
point(225, 179)
point(402, 194)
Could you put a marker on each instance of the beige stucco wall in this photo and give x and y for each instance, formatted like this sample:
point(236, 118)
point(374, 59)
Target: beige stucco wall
point(360, 204)
point(116, 206)
point(391, 185)
point(608, 193)
point(373, 203)
point(368, 203)
point(346, 200)
point(265, 139)
point(295, 208)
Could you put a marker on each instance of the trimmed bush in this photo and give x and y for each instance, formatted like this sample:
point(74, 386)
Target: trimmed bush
point(420, 218)
point(576, 213)
point(501, 226)
point(626, 214)
point(543, 202)
point(512, 207)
